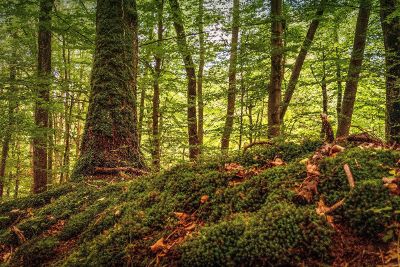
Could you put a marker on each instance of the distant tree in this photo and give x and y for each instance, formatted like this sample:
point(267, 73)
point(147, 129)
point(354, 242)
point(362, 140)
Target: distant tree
point(156, 88)
point(275, 84)
point(298, 65)
point(40, 139)
point(354, 70)
point(230, 112)
point(200, 73)
point(110, 138)
point(391, 32)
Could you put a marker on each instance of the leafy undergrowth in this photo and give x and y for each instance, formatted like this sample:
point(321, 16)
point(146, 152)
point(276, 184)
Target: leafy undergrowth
point(238, 212)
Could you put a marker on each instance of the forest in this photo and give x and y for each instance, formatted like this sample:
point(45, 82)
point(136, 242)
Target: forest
point(200, 133)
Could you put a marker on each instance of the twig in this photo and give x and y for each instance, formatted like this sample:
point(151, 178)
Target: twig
point(349, 175)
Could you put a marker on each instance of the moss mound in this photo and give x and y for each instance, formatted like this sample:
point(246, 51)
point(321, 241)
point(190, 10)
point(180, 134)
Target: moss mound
point(203, 214)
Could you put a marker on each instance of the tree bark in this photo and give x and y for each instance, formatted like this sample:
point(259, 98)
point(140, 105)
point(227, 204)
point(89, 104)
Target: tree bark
point(110, 137)
point(156, 93)
point(230, 113)
point(338, 75)
point(391, 33)
point(40, 139)
point(191, 77)
point(298, 65)
point(200, 102)
point(12, 104)
point(275, 85)
point(354, 71)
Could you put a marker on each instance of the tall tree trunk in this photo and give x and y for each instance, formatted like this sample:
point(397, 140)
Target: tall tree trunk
point(191, 77)
point(40, 139)
point(156, 93)
point(338, 75)
point(202, 52)
point(298, 65)
point(133, 20)
point(275, 85)
point(141, 112)
point(110, 138)
point(17, 168)
point(354, 71)
point(391, 33)
point(12, 104)
point(230, 113)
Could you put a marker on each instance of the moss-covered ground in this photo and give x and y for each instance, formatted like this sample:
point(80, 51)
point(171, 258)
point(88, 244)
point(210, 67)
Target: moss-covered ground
point(236, 212)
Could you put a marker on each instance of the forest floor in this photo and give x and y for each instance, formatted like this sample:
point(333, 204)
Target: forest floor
point(308, 204)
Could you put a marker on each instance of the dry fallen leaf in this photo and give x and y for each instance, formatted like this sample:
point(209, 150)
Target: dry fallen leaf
point(159, 245)
point(181, 215)
point(204, 199)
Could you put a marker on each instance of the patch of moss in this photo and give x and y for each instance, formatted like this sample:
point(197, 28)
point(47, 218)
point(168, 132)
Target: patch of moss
point(365, 164)
point(35, 252)
point(369, 208)
point(278, 234)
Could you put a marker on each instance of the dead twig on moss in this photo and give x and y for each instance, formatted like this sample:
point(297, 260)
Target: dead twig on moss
point(349, 175)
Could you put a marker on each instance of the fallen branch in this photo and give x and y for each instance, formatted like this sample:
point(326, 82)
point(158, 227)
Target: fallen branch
point(322, 209)
point(18, 233)
point(349, 175)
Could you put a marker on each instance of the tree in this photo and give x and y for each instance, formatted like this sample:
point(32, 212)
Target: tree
point(230, 112)
point(191, 77)
point(200, 73)
point(40, 138)
point(391, 32)
point(110, 137)
point(354, 70)
point(275, 85)
point(156, 86)
point(12, 105)
point(298, 65)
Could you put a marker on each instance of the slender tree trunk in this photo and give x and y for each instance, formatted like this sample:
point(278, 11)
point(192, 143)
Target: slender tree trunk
point(230, 113)
point(338, 75)
point(156, 93)
point(275, 85)
point(40, 139)
point(133, 21)
point(12, 104)
point(17, 168)
point(391, 33)
point(50, 153)
point(242, 92)
point(354, 71)
point(202, 52)
point(298, 65)
point(191, 77)
point(110, 138)
point(141, 112)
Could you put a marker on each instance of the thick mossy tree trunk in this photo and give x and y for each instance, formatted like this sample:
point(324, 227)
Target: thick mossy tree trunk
point(230, 113)
point(391, 32)
point(40, 138)
point(110, 138)
point(353, 76)
point(191, 77)
point(298, 65)
point(275, 85)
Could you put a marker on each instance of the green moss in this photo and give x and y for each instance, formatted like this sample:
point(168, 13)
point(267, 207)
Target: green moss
point(276, 235)
point(370, 208)
point(36, 201)
point(35, 252)
point(365, 164)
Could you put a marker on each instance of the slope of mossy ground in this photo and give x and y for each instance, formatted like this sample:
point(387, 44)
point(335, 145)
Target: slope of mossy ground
point(211, 215)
